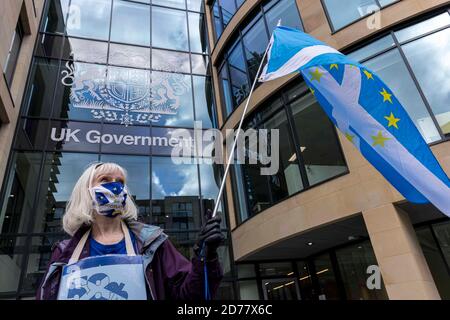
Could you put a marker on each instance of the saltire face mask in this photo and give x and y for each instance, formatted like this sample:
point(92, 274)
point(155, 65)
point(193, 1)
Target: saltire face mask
point(109, 198)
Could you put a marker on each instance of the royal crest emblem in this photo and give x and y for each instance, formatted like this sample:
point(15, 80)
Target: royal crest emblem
point(124, 95)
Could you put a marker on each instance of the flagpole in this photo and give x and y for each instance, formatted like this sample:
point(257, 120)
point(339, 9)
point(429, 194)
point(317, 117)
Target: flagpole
point(227, 168)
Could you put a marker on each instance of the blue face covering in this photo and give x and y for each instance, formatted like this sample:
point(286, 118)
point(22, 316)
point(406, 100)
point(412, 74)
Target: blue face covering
point(109, 198)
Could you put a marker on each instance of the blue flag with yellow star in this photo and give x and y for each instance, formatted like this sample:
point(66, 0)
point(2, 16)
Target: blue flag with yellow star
point(366, 111)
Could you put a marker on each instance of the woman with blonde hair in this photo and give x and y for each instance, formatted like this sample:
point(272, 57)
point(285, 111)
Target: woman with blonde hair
point(112, 256)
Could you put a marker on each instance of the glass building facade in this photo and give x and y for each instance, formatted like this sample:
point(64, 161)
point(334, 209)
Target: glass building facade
point(106, 75)
point(111, 79)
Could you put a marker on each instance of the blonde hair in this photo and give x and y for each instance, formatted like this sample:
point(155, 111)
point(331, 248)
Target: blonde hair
point(79, 209)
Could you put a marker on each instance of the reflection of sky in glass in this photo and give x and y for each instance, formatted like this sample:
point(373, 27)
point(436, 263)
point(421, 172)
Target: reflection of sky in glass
point(138, 169)
point(131, 23)
point(423, 27)
point(169, 179)
point(391, 68)
point(171, 3)
point(71, 168)
point(429, 59)
point(169, 29)
point(89, 18)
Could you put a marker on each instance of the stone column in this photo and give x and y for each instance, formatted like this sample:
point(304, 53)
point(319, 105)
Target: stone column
point(404, 269)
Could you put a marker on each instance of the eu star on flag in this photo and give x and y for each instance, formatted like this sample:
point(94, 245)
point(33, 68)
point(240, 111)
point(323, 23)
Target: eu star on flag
point(366, 111)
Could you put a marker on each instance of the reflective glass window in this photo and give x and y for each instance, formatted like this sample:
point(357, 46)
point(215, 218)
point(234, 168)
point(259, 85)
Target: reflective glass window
point(353, 262)
point(287, 11)
point(372, 48)
point(85, 50)
point(169, 29)
point(55, 20)
point(164, 60)
point(138, 182)
point(129, 56)
point(204, 101)
point(18, 207)
point(172, 93)
point(195, 5)
point(131, 23)
point(175, 194)
point(61, 171)
point(248, 290)
point(79, 95)
point(197, 32)
point(255, 43)
point(392, 69)
point(89, 19)
point(319, 147)
point(44, 75)
point(180, 4)
point(280, 289)
point(418, 29)
point(12, 251)
point(354, 9)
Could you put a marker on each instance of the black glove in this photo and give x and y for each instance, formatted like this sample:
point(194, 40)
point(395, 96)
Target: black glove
point(211, 236)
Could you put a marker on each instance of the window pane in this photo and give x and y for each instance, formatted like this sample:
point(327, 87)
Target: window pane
point(228, 10)
point(210, 179)
point(240, 194)
point(204, 101)
point(21, 184)
point(49, 46)
point(11, 256)
point(163, 60)
point(38, 260)
point(442, 231)
point(373, 48)
point(280, 289)
point(429, 60)
point(392, 69)
point(138, 182)
point(307, 291)
point(255, 43)
point(195, 5)
point(287, 11)
point(175, 194)
point(354, 9)
point(44, 76)
point(171, 3)
point(287, 180)
point(56, 16)
point(88, 23)
point(199, 63)
point(131, 23)
point(353, 262)
point(197, 32)
point(226, 95)
point(423, 27)
point(60, 173)
point(248, 290)
point(246, 270)
point(319, 146)
point(276, 269)
point(172, 94)
point(384, 3)
point(129, 56)
point(86, 51)
point(218, 27)
point(169, 29)
point(78, 91)
point(435, 261)
point(327, 280)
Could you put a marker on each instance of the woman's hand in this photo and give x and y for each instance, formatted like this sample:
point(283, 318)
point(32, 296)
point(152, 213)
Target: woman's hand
point(211, 236)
